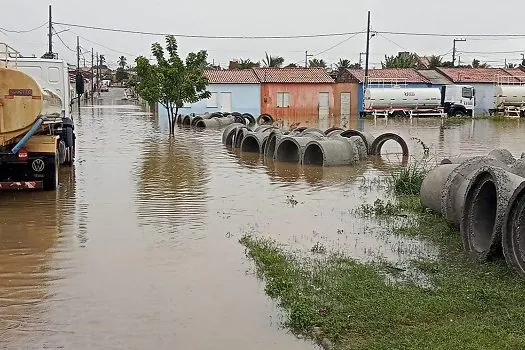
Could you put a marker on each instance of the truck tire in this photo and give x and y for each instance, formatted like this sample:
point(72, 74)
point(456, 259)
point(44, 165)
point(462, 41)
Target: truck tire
point(70, 138)
point(458, 113)
point(51, 174)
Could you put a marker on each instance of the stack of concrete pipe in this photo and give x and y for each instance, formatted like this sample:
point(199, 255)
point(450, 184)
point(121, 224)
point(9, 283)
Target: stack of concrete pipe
point(484, 197)
point(332, 147)
point(220, 120)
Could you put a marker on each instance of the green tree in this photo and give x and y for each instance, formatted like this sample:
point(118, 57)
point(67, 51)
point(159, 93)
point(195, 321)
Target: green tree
point(247, 64)
point(435, 61)
point(121, 74)
point(273, 61)
point(122, 62)
point(402, 60)
point(477, 64)
point(172, 81)
point(291, 65)
point(345, 64)
point(317, 63)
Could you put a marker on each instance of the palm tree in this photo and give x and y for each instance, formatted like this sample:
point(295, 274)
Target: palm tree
point(122, 62)
point(317, 63)
point(435, 61)
point(247, 64)
point(273, 61)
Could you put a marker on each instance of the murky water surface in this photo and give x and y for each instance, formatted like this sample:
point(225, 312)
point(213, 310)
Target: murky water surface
point(139, 246)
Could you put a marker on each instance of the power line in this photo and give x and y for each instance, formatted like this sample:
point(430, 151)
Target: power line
point(333, 46)
point(454, 35)
point(62, 41)
point(208, 36)
point(492, 52)
point(23, 31)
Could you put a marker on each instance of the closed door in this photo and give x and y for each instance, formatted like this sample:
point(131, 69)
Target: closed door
point(226, 102)
point(324, 105)
point(346, 106)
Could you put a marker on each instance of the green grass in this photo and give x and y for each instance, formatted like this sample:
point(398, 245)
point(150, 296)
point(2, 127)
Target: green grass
point(407, 181)
point(352, 304)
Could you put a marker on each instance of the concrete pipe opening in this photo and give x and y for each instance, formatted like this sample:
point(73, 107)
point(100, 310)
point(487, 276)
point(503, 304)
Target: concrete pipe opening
point(250, 144)
point(288, 152)
point(229, 138)
point(513, 240)
point(186, 121)
point(239, 137)
point(482, 211)
point(313, 154)
point(200, 124)
point(377, 145)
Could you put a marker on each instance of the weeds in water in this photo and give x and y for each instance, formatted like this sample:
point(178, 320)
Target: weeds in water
point(408, 180)
point(379, 208)
point(318, 248)
point(426, 149)
point(291, 200)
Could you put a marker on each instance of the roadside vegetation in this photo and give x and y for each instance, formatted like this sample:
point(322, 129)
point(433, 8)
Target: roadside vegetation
point(342, 303)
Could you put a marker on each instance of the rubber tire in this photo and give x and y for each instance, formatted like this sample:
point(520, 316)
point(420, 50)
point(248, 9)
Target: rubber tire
point(51, 178)
point(458, 114)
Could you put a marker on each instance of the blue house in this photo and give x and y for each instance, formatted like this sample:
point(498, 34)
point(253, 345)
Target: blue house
point(378, 78)
point(231, 91)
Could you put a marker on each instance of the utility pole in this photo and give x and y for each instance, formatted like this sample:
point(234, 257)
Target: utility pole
point(454, 50)
point(78, 55)
point(92, 76)
point(306, 59)
point(50, 33)
point(97, 73)
point(367, 50)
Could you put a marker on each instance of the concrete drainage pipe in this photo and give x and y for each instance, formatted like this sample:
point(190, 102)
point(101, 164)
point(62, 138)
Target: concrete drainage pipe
point(249, 119)
point(215, 123)
point(503, 155)
point(487, 198)
point(367, 137)
point(513, 233)
point(291, 149)
point(270, 148)
point(362, 150)
point(186, 121)
point(433, 185)
point(229, 133)
point(375, 148)
point(455, 187)
point(255, 142)
point(336, 150)
point(312, 132)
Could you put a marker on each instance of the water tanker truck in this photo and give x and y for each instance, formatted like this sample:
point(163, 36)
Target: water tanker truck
point(36, 131)
point(509, 101)
point(451, 100)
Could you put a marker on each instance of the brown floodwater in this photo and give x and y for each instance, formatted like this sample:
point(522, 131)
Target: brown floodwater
point(139, 246)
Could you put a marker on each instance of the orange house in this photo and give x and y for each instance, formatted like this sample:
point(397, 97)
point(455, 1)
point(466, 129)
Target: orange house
point(297, 95)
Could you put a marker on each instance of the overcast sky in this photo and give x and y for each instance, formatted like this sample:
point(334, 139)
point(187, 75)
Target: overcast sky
point(265, 18)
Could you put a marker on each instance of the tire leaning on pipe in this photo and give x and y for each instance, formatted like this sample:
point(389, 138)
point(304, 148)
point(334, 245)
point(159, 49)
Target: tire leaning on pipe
point(265, 119)
point(250, 120)
point(367, 137)
point(487, 198)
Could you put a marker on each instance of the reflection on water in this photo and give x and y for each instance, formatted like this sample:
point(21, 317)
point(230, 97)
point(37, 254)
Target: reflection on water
point(139, 248)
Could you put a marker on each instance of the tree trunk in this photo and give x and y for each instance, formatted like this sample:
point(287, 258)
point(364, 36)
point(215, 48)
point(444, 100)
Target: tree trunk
point(169, 110)
point(173, 117)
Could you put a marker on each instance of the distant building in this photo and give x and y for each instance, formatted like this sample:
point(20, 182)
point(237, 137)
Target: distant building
point(231, 91)
point(484, 81)
point(296, 94)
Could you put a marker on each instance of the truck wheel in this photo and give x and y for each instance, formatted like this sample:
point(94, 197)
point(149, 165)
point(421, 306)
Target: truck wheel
point(458, 114)
point(70, 144)
point(51, 175)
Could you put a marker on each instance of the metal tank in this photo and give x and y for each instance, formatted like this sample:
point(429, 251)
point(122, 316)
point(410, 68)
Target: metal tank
point(402, 98)
point(510, 95)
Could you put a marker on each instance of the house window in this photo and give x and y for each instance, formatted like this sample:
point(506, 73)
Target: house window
point(283, 99)
point(212, 100)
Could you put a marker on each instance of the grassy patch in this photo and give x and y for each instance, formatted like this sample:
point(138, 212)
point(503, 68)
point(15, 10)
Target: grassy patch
point(352, 304)
point(407, 181)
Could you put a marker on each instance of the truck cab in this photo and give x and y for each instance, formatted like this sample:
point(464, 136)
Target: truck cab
point(458, 100)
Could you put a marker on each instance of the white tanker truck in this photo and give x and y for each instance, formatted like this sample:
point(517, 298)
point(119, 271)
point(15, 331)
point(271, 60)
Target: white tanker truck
point(36, 129)
point(451, 100)
point(509, 101)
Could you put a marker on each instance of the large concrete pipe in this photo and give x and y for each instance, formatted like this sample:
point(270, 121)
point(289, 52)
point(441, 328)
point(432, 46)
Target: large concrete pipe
point(455, 160)
point(362, 151)
point(513, 232)
point(486, 203)
point(178, 119)
point(518, 167)
point(336, 150)
point(291, 149)
point(215, 123)
point(198, 118)
point(186, 121)
point(332, 129)
point(367, 137)
point(239, 136)
point(503, 155)
point(375, 148)
point(254, 142)
point(455, 187)
point(270, 147)
point(312, 132)
point(229, 133)
point(433, 185)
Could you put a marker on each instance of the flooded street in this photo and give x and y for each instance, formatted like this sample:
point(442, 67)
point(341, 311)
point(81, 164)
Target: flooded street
point(139, 246)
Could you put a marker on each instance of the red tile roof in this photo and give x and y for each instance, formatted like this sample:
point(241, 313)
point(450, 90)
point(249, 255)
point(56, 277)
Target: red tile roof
point(237, 76)
point(483, 75)
point(293, 75)
point(408, 75)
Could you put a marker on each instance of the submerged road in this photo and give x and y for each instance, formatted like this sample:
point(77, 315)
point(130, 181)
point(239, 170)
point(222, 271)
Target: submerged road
point(139, 246)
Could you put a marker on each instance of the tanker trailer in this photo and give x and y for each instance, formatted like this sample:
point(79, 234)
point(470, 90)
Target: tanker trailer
point(35, 139)
point(510, 100)
point(451, 100)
